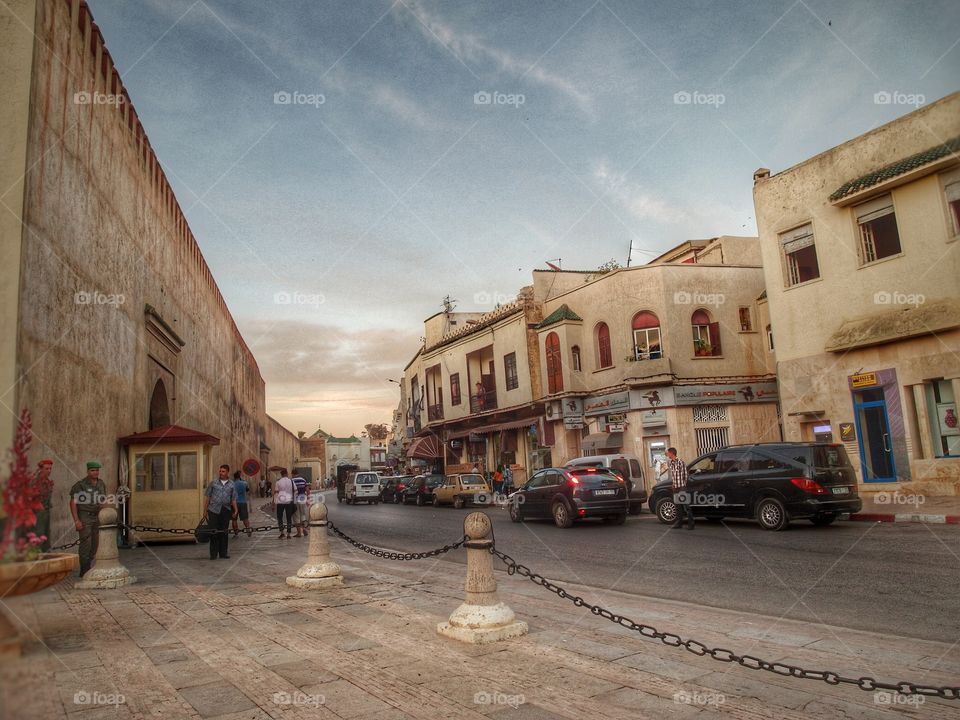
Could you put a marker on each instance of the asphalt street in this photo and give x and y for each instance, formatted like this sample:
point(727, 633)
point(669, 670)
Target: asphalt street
point(891, 578)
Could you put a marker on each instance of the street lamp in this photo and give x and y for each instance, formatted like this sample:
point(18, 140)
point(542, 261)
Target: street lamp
point(394, 381)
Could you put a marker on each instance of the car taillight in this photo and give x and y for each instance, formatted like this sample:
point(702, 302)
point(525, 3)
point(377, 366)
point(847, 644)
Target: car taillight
point(574, 481)
point(810, 486)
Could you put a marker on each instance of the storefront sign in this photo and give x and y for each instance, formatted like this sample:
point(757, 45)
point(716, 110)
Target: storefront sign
point(474, 438)
point(863, 380)
point(572, 423)
point(615, 427)
point(603, 404)
point(652, 398)
point(653, 418)
point(572, 407)
point(847, 433)
point(732, 393)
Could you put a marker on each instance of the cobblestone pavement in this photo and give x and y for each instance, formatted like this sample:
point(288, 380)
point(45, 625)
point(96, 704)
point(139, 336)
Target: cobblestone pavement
point(229, 640)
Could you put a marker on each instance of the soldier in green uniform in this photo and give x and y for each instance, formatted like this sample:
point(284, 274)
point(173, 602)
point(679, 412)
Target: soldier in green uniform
point(87, 496)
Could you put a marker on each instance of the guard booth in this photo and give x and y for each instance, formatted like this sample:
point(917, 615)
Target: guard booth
point(169, 468)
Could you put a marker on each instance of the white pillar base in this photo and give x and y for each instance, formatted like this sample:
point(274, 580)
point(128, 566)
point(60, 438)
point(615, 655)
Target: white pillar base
point(315, 583)
point(107, 579)
point(479, 624)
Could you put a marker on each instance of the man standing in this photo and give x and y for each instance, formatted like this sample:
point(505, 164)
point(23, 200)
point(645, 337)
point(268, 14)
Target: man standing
point(300, 498)
point(283, 499)
point(243, 510)
point(681, 496)
point(44, 484)
point(219, 505)
point(87, 496)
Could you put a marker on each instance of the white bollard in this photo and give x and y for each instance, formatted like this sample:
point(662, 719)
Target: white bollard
point(319, 572)
point(482, 618)
point(107, 572)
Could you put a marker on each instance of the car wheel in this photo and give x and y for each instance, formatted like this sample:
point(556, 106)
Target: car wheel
point(436, 501)
point(667, 511)
point(616, 519)
point(823, 520)
point(515, 514)
point(561, 515)
point(458, 502)
point(771, 514)
point(419, 500)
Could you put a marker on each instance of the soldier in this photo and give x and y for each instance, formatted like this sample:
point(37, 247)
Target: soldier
point(87, 496)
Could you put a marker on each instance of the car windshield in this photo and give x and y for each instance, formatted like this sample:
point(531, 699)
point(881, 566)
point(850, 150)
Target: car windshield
point(590, 477)
point(472, 479)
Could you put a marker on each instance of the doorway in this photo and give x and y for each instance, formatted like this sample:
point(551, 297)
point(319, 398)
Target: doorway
point(873, 433)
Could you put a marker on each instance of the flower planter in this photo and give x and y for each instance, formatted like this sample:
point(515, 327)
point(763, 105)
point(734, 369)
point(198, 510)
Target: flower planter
point(22, 578)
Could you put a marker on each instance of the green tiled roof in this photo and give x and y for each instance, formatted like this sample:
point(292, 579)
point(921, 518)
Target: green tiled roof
point(898, 168)
point(561, 313)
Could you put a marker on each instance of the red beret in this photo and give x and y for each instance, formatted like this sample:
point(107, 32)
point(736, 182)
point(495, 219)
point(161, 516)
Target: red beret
point(45, 462)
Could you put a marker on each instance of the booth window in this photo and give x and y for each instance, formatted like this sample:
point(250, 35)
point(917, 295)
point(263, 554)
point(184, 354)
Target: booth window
point(182, 471)
point(150, 472)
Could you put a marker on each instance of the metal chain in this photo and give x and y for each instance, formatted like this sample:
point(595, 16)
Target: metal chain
point(192, 531)
point(721, 654)
point(394, 555)
point(65, 547)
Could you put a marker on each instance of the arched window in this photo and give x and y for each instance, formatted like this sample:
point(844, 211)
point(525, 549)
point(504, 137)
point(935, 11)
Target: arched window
point(706, 334)
point(646, 336)
point(554, 365)
point(575, 358)
point(604, 356)
point(159, 407)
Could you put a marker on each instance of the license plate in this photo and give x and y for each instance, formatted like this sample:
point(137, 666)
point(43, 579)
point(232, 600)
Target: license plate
point(840, 490)
point(604, 492)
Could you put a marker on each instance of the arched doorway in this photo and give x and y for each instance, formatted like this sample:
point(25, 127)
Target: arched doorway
point(159, 407)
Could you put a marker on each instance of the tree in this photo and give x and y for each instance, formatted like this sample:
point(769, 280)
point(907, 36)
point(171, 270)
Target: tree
point(376, 431)
point(609, 266)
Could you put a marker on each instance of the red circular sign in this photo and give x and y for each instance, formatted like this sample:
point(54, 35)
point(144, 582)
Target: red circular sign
point(251, 467)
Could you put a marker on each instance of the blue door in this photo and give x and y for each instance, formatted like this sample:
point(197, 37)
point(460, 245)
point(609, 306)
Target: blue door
point(873, 434)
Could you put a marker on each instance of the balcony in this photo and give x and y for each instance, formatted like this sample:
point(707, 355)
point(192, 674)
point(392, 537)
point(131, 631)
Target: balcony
point(481, 402)
point(434, 412)
point(643, 370)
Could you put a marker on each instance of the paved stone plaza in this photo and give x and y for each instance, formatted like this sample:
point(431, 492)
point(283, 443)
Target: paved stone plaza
point(229, 639)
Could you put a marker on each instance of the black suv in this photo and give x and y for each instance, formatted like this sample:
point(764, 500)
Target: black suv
point(420, 489)
point(394, 487)
point(568, 494)
point(773, 483)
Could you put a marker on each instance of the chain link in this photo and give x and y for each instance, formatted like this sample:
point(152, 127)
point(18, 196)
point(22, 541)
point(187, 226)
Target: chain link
point(394, 555)
point(65, 547)
point(722, 654)
point(192, 531)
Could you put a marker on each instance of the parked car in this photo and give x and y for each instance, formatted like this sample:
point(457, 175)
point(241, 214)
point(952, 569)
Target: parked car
point(362, 486)
point(773, 483)
point(627, 467)
point(463, 489)
point(420, 490)
point(569, 494)
point(392, 488)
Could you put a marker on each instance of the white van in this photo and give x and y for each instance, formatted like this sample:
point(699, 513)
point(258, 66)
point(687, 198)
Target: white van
point(628, 466)
point(363, 486)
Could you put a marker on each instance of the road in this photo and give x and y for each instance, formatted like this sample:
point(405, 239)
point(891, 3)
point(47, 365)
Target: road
point(890, 578)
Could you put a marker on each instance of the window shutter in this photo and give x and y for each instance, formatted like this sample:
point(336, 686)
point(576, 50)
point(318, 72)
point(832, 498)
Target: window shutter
point(797, 239)
point(549, 438)
point(874, 209)
point(953, 191)
point(715, 338)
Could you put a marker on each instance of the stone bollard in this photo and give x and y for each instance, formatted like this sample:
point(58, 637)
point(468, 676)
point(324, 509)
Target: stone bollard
point(482, 618)
point(107, 572)
point(319, 572)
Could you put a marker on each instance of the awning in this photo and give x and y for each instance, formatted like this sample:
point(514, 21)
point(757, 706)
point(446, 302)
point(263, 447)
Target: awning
point(601, 441)
point(425, 448)
point(169, 434)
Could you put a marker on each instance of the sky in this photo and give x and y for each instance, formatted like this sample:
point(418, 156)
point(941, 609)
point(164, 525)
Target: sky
point(344, 166)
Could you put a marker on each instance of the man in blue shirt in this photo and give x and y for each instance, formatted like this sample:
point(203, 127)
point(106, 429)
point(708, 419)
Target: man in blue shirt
point(243, 510)
point(219, 505)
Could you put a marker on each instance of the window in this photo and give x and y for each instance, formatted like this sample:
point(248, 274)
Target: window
point(604, 355)
point(554, 366)
point(182, 471)
point(799, 256)
point(646, 336)
point(710, 439)
point(455, 389)
point(943, 419)
point(951, 186)
point(746, 322)
point(575, 358)
point(706, 334)
point(149, 469)
point(878, 230)
point(704, 465)
point(510, 371)
point(769, 339)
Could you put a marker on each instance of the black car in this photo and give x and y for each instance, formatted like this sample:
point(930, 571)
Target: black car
point(773, 483)
point(569, 494)
point(420, 489)
point(393, 488)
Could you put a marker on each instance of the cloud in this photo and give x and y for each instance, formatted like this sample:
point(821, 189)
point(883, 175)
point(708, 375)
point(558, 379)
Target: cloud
point(635, 199)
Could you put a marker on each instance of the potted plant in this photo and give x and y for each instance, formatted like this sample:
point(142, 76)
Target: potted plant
point(23, 567)
point(702, 347)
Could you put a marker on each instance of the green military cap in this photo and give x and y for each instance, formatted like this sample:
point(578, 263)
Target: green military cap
point(93, 465)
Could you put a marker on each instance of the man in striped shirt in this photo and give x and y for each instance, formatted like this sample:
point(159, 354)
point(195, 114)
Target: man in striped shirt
point(681, 495)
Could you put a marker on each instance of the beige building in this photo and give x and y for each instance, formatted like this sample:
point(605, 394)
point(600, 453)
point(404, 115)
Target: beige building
point(111, 321)
point(862, 260)
point(672, 353)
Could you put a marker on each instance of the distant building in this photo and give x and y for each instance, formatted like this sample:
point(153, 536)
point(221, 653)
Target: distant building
point(862, 260)
point(342, 451)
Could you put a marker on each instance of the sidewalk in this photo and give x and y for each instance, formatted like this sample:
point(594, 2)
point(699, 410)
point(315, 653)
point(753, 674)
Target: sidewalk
point(229, 640)
point(904, 507)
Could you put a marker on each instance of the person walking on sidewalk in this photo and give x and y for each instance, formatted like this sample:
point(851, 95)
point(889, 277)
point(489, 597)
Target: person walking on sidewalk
point(300, 500)
point(283, 499)
point(219, 505)
point(87, 496)
point(243, 510)
point(681, 495)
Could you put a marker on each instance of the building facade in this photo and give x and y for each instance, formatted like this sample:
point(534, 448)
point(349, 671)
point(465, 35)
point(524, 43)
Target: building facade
point(862, 259)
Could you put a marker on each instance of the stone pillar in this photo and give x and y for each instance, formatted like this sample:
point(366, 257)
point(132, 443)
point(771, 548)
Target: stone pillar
point(107, 572)
point(319, 572)
point(482, 618)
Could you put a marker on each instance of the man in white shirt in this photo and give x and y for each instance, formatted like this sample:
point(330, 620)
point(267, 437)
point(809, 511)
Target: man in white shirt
point(283, 499)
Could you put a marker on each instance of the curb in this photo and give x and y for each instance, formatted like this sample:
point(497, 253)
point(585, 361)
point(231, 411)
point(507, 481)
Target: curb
point(907, 517)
